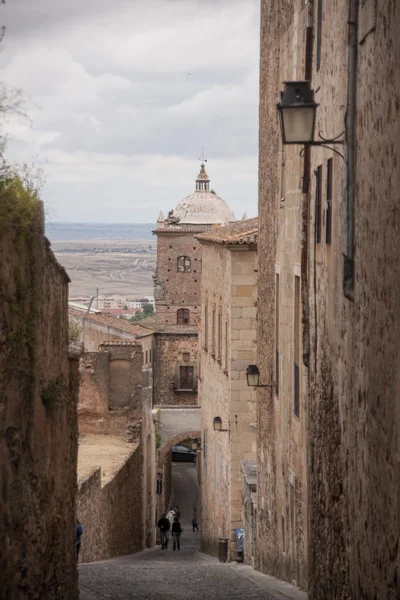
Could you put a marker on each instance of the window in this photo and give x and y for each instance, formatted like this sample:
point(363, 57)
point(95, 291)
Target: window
point(206, 325)
point(226, 346)
point(147, 356)
point(277, 300)
point(184, 265)
point(219, 346)
point(150, 355)
point(183, 317)
point(318, 190)
point(213, 332)
point(296, 336)
point(328, 237)
point(319, 35)
point(186, 378)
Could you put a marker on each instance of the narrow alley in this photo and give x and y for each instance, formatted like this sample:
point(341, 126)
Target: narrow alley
point(189, 574)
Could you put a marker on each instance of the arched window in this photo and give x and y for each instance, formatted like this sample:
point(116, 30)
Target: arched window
point(184, 265)
point(183, 316)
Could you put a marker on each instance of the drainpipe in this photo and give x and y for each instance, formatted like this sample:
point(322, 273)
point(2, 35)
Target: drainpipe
point(349, 196)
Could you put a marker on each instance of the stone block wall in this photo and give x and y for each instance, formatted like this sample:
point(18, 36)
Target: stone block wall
point(352, 408)
point(38, 419)
point(229, 292)
point(174, 289)
point(111, 387)
point(169, 350)
point(112, 516)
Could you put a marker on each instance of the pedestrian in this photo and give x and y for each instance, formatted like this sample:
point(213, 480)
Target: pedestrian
point(164, 526)
point(194, 520)
point(176, 534)
point(171, 516)
point(177, 513)
point(78, 535)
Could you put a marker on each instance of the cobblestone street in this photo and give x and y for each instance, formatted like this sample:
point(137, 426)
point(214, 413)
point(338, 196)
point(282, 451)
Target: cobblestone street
point(189, 574)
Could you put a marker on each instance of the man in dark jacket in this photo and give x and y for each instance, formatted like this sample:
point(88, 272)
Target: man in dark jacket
point(164, 526)
point(176, 534)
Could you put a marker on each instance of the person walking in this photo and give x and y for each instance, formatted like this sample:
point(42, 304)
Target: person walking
point(78, 535)
point(164, 526)
point(177, 513)
point(194, 520)
point(171, 516)
point(176, 534)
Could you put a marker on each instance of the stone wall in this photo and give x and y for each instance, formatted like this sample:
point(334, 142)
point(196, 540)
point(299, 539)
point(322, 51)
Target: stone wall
point(170, 352)
point(111, 387)
point(112, 516)
point(229, 292)
point(38, 422)
point(174, 289)
point(355, 383)
point(350, 345)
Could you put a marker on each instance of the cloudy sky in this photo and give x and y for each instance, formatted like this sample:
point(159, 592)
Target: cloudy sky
point(123, 94)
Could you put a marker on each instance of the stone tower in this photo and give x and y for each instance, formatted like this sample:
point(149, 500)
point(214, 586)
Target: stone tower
point(177, 290)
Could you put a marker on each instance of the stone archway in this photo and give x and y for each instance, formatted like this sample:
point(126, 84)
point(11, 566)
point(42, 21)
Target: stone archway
point(179, 437)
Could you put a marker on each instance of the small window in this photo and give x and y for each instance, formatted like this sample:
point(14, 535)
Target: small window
point(150, 355)
point(319, 35)
point(183, 317)
point(328, 232)
point(147, 357)
point(318, 193)
point(186, 377)
point(184, 264)
point(206, 325)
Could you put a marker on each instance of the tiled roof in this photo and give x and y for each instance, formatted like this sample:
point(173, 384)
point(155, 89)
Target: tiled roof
point(110, 321)
point(119, 343)
point(177, 229)
point(239, 232)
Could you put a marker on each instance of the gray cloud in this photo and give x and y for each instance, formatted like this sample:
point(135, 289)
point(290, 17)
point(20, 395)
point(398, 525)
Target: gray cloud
point(126, 88)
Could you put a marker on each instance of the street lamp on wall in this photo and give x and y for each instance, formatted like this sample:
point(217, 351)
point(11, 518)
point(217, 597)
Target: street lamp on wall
point(298, 111)
point(253, 378)
point(217, 424)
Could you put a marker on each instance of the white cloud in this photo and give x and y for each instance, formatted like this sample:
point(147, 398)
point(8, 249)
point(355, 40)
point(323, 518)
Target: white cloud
point(123, 95)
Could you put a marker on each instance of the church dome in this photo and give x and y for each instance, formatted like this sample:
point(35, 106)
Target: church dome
point(203, 207)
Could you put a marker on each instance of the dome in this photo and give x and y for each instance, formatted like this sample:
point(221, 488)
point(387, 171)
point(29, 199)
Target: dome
point(203, 207)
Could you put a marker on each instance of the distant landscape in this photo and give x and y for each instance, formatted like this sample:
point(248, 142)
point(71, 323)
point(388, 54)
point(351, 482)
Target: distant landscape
point(117, 258)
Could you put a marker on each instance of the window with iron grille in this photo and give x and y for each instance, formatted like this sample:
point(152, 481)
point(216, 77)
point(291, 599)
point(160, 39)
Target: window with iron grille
point(328, 237)
point(183, 317)
point(184, 264)
point(319, 35)
point(186, 378)
point(318, 193)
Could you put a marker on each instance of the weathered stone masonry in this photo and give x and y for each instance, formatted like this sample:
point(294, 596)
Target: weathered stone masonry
point(38, 422)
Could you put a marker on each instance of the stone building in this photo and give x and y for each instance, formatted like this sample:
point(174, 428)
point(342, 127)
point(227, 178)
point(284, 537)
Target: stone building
point(329, 256)
point(227, 346)
point(177, 291)
point(38, 421)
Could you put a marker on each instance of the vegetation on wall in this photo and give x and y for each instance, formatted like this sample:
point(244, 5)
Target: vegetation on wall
point(74, 331)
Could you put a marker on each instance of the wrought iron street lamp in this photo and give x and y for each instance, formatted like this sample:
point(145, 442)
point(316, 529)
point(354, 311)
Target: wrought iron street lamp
point(217, 424)
point(253, 378)
point(298, 111)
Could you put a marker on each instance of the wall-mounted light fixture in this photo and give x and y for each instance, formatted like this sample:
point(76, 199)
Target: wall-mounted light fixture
point(298, 111)
point(253, 378)
point(217, 424)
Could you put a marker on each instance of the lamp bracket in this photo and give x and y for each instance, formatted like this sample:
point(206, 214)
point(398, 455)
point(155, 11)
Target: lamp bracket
point(327, 143)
